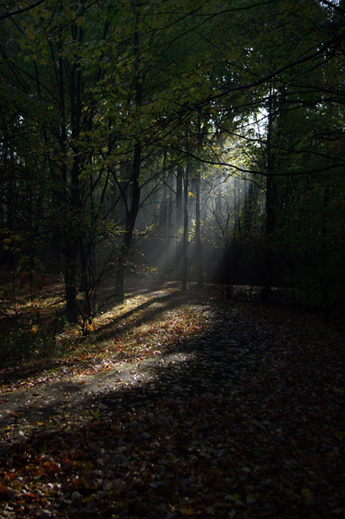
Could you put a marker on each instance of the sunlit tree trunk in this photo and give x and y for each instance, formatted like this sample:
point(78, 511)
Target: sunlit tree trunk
point(164, 225)
point(237, 208)
point(179, 217)
point(168, 226)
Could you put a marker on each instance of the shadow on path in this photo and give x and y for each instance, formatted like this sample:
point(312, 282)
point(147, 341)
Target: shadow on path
point(213, 364)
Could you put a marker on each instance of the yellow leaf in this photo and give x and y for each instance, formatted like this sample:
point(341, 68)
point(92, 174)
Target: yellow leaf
point(45, 13)
point(80, 20)
point(34, 329)
point(191, 194)
point(306, 493)
point(187, 511)
point(171, 457)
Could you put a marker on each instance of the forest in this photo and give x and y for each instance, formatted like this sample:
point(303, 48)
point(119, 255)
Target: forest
point(172, 211)
point(190, 141)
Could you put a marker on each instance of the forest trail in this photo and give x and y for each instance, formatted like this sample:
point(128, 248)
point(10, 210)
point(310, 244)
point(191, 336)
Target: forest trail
point(245, 421)
point(74, 396)
point(237, 345)
point(234, 346)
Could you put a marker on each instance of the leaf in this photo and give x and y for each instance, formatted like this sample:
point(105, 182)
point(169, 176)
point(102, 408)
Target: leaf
point(45, 13)
point(80, 20)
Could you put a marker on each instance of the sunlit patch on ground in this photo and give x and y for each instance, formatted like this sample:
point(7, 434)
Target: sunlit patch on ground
point(144, 325)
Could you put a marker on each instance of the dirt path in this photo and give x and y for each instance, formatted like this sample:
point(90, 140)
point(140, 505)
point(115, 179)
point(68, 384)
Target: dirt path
point(52, 404)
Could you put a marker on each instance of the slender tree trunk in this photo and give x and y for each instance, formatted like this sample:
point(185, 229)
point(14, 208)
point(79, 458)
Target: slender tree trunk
point(74, 205)
point(163, 225)
point(68, 200)
point(271, 196)
point(130, 223)
point(237, 206)
point(179, 218)
point(70, 283)
point(199, 257)
point(185, 228)
point(170, 265)
point(10, 256)
point(132, 212)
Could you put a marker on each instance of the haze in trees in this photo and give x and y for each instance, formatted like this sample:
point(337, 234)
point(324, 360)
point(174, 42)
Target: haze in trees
point(185, 141)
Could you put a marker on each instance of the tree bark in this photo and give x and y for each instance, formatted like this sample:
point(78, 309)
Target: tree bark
point(199, 257)
point(185, 228)
point(132, 212)
point(129, 228)
point(70, 283)
point(271, 201)
point(179, 219)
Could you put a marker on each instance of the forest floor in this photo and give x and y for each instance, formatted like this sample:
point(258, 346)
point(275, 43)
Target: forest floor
point(178, 404)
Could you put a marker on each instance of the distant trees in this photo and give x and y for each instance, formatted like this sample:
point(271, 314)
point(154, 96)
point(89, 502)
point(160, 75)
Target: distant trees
point(294, 155)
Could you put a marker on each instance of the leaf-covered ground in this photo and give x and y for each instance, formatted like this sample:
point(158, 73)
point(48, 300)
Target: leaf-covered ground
point(239, 413)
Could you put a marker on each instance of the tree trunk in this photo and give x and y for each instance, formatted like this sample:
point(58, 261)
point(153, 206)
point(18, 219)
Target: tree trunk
point(185, 228)
point(130, 223)
point(199, 257)
point(70, 283)
point(132, 212)
point(271, 201)
point(179, 219)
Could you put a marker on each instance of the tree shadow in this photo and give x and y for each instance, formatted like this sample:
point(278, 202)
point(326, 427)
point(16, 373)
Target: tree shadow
point(115, 327)
point(167, 302)
point(209, 365)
